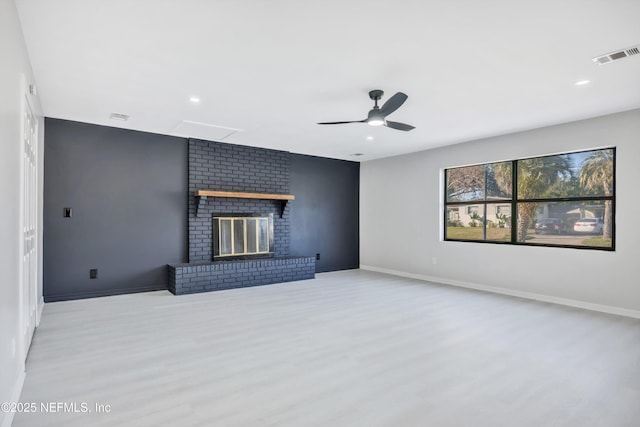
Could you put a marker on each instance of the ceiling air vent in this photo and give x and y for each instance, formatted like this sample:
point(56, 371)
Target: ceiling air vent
point(610, 57)
point(119, 116)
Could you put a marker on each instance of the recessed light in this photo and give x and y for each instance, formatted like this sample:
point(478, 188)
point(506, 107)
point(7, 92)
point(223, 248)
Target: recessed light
point(357, 154)
point(369, 138)
point(582, 82)
point(194, 100)
point(119, 116)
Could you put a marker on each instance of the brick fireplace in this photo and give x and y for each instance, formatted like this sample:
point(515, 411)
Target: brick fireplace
point(236, 169)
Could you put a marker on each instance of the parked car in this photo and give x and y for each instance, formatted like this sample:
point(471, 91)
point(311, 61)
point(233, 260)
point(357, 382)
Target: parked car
point(589, 225)
point(549, 226)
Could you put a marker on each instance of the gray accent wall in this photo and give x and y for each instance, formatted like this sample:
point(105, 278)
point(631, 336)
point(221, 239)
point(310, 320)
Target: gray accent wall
point(132, 197)
point(325, 214)
point(127, 190)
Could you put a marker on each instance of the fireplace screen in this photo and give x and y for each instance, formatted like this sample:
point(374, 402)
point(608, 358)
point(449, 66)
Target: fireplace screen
point(242, 235)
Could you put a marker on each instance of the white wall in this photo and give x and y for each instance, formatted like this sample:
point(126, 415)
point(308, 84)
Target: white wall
point(400, 220)
point(14, 64)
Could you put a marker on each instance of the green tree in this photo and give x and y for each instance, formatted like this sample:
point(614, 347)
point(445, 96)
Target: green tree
point(596, 174)
point(475, 217)
point(499, 180)
point(565, 187)
point(537, 177)
point(502, 219)
point(503, 176)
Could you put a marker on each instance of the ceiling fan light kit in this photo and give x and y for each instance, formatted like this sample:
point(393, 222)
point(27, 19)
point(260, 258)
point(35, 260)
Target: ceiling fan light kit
point(378, 115)
point(373, 120)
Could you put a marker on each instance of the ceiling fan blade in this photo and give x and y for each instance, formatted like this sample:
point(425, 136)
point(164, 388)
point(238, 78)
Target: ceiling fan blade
point(393, 103)
point(398, 126)
point(341, 123)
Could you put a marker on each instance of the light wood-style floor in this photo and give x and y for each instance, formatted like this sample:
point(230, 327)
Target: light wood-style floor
point(351, 348)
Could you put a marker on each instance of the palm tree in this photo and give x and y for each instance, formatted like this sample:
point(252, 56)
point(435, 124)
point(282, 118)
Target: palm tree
point(535, 179)
point(502, 175)
point(596, 175)
point(475, 217)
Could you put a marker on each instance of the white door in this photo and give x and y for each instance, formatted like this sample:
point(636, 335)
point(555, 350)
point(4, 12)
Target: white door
point(29, 212)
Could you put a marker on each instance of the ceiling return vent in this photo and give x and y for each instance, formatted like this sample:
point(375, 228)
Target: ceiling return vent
point(613, 56)
point(119, 116)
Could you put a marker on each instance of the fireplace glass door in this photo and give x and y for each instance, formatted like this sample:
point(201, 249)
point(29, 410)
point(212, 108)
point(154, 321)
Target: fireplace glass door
point(242, 236)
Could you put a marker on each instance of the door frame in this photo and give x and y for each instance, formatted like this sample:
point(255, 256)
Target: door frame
point(29, 242)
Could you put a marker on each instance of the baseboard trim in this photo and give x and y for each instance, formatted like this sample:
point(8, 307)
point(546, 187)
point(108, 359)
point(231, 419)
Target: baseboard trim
point(7, 419)
point(504, 291)
point(103, 293)
point(39, 313)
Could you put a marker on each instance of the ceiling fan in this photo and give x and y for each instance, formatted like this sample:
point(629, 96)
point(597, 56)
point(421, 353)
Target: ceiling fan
point(377, 115)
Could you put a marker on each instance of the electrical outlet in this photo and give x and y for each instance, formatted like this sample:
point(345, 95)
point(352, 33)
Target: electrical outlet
point(318, 257)
point(93, 273)
point(67, 212)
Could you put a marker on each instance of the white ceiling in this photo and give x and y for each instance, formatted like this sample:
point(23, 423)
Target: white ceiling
point(272, 69)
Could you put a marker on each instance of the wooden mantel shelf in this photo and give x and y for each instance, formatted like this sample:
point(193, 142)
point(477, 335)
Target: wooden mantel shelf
point(201, 197)
point(213, 193)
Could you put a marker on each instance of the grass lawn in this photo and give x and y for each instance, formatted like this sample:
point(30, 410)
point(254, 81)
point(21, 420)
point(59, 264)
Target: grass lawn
point(504, 235)
point(597, 241)
point(475, 233)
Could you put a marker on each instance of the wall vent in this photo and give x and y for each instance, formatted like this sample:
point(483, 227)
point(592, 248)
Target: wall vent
point(119, 116)
point(613, 56)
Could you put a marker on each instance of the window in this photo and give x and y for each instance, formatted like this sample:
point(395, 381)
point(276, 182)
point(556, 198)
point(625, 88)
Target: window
point(474, 209)
point(565, 200)
point(503, 209)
